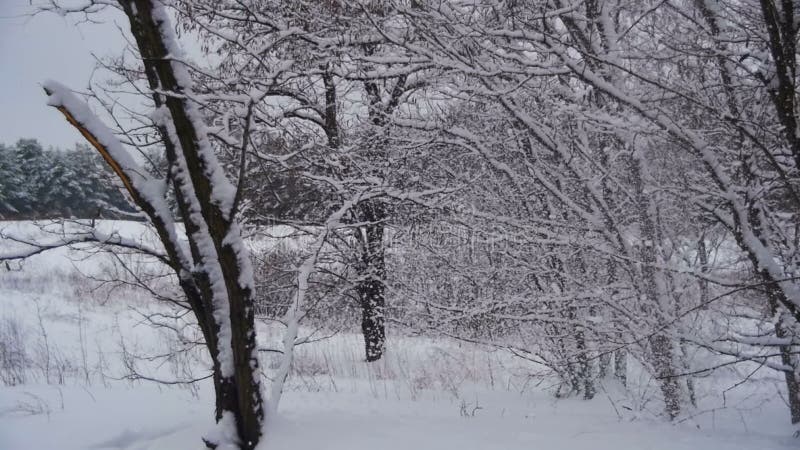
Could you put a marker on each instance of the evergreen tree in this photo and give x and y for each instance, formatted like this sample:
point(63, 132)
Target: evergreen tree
point(10, 182)
point(37, 183)
point(29, 159)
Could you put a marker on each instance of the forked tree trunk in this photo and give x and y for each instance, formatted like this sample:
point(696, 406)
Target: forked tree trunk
point(215, 276)
point(370, 288)
point(237, 391)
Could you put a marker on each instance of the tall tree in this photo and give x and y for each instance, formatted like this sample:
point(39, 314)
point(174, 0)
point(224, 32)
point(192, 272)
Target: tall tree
point(215, 275)
point(333, 87)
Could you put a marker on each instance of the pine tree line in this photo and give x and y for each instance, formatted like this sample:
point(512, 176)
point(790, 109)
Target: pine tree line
point(36, 183)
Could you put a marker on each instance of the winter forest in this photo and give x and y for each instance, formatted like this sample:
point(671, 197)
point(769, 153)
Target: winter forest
point(395, 224)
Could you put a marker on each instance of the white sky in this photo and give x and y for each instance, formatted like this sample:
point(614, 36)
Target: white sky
point(47, 46)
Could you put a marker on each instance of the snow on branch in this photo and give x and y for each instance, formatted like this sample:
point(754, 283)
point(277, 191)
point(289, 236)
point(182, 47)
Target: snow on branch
point(31, 247)
point(81, 117)
point(147, 192)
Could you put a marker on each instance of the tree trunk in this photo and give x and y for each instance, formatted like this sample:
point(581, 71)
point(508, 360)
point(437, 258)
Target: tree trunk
point(604, 365)
point(662, 355)
point(621, 366)
point(371, 288)
point(584, 367)
point(788, 360)
point(220, 260)
point(792, 384)
point(663, 362)
point(583, 379)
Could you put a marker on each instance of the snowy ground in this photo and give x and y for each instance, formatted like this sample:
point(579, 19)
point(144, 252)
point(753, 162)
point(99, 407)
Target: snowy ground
point(145, 417)
point(425, 394)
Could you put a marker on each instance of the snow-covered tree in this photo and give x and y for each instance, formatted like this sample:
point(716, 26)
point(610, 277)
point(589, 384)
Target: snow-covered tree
point(213, 270)
point(324, 89)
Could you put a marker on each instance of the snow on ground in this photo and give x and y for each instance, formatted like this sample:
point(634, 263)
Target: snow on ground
point(146, 417)
point(74, 393)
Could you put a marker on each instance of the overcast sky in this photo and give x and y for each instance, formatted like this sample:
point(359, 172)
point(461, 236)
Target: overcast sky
point(34, 49)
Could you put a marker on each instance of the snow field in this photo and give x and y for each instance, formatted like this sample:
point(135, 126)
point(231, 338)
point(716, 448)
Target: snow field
point(80, 341)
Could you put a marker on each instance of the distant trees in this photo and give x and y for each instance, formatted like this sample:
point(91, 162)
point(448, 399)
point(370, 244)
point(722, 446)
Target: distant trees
point(36, 183)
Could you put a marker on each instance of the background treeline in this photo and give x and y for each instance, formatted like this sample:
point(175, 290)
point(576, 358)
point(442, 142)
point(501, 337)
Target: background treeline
point(36, 183)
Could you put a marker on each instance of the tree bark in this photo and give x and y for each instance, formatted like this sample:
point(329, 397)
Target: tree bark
point(370, 288)
point(787, 359)
point(621, 366)
point(662, 355)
